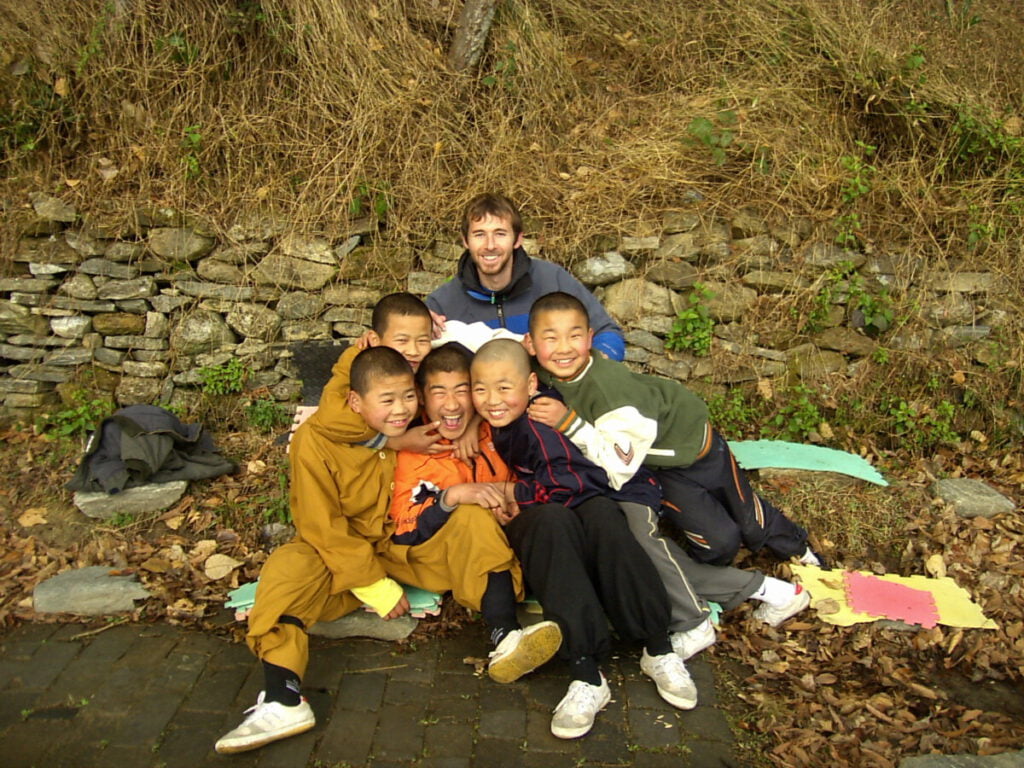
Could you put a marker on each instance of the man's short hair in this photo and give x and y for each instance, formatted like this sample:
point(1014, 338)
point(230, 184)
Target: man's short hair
point(448, 358)
point(491, 204)
point(559, 301)
point(504, 350)
point(376, 363)
point(397, 304)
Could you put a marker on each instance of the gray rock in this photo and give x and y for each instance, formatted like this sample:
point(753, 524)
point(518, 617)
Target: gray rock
point(637, 355)
point(299, 305)
point(21, 354)
point(51, 208)
point(259, 379)
point(108, 268)
point(288, 272)
point(971, 498)
point(748, 222)
point(792, 231)
point(965, 282)
point(362, 623)
point(38, 400)
point(346, 247)
point(26, 284)
point(38, 340)
point(123, 252)
point(72, 356)
point(150, 355)
point(961, 335)
point(144, 370)
point(135, 390)
point(629, 299)
point(847, 341)
point(37, 372)
point(133, 306)
point(217, 271)
point(729, 301)
point(948, 309)
point(139, 288)
point(109, 357)
point(180, 244)
point(349, 330)
point(255, 321)
point(18, 319)
point(305, 330)
point(118, 324)
point(637, 244)
point(213, 290)
point(767, 280)
point(287, 390)
point(359, 315)
point(645, 340)
point(84, 243)
point(23, 386)
point(257, 227)
point(1004, 760)
point(679, 221)
point(79, 287)
point(826, 256)
point(73, 327)
point(809, 362)
point(46, 250)
point(423, 283)
point(352, 295)
point(240, 253)
point(275, 534)
point(601, 270)
point(91, 591)
point(131, 501)
point(157, 326)
point(658, 324)
point(169, 303)
point(256, 354)
point(45, 271)
point(673, 369)
point(684, 245)
point(316, 249)
point(200, 331)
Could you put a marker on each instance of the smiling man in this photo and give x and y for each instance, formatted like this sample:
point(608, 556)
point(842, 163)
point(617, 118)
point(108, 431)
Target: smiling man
point(496, 281)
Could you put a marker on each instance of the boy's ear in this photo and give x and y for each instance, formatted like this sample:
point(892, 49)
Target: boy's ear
point(528, 344)
point(373, 338)
point(355, 402)
point(531, 384)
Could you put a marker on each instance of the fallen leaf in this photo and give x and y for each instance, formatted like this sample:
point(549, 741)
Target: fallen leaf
point(826, 606)
point(60, 87)
point(156, 565)
point(936, 566)
point(765, 389)
point(33, 516)
point(175, 522)
point(219, 566)
point(256, 467)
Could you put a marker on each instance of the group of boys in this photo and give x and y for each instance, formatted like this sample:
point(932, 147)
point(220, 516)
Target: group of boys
point(540, 465)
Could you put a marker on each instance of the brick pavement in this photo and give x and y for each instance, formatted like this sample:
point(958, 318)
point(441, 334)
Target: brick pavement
point(155, 696)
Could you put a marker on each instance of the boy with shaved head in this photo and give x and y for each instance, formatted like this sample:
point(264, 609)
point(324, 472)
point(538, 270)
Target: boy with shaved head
point(575, 547)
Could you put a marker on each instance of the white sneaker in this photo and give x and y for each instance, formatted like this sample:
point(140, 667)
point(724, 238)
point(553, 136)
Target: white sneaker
point(575, 713)
point(693, 641)
point(267, 722)
point(523, 650)
point(773, 616)
point(674, 683)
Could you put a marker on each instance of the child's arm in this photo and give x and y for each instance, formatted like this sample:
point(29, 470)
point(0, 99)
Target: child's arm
point(420, 508)
point(556, 477)
point(617, 442)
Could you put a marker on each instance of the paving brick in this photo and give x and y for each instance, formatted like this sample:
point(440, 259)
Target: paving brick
point(121, 757)
point(216, 690)
point(464, 709)
point(549, 760)
point(14, 705)
point(710, 754)
point(496, 753)
point(27, 641)
point(189, 739)
point(654, 729)
point(347, 737)
point(643, 694)
point(45, 665)
point(704, 679)
point(606, 745)
point(445, 762)
point(706, 723)
point(503, 724)
point(287, 753)
point(419, 666)
point(448, 685)
point(30, 743)
point(107, 647)
point(399, 733)
point(409, 694)
point(448, 740)
point(538, 733)
point(365, 692)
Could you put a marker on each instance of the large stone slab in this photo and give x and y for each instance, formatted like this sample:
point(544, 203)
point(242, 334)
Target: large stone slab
point(971, 498)
point(90, 591)
point(365, 624)
point(1004, 760)
point(131, 501)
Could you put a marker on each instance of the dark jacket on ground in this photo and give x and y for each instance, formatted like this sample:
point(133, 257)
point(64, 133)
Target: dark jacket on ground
point(144, 444)
point(464, 298)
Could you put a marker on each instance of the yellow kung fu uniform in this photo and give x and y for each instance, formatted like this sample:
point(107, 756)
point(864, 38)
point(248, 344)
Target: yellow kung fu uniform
point(340, 495)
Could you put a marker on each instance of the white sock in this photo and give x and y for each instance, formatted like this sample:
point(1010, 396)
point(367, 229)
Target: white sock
point(775, 592)
point(809, 558)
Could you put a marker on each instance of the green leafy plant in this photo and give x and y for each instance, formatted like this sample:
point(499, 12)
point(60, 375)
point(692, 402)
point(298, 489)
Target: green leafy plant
point(78, 419)
point(921, 426)
point(94, 46)
point(692, 327)
point(375, 198)
point(265, 415)
point(276, 507)
point(715, 135)
point(191, 144)
point(505, 68)
point(181, 50)
point(122, 519)
point(856, 185)
point(797, 417)
point(960, 14)
point(225, 379)
point(732, 413)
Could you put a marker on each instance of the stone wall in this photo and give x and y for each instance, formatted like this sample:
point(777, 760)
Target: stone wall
point(150, 303)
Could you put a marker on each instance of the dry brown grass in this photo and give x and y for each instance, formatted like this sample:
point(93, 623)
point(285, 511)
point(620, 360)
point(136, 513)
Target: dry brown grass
point(298, 104)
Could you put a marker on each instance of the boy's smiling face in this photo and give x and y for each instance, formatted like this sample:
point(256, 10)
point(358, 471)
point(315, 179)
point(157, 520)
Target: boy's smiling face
point(447, 399)
point(561, 341)
point(408, 334)
point(501, 391)
point(388, 405)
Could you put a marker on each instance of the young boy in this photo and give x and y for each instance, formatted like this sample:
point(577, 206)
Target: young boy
point(623, 420)
point(435, 492)
point(575, 547)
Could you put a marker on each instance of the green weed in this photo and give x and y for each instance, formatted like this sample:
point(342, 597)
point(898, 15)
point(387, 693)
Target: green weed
point(225, 379)
point(732, 413)
point(191, 144)
point(265, 415)
point(715, 135)
point(122, 519)
point(181, 50)
point(920, 427)
point(856, 184)
point(797, 417)
point(505, 68)
point(79, 419)
point(371, 197)
point(692, 327)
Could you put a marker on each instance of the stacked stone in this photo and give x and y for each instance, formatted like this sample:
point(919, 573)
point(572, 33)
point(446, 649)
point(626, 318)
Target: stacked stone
point(151, 304)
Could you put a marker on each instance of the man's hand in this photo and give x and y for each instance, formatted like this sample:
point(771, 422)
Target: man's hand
point(400, 609)
point(419, 440)
point(547, 410)
point(439, 321)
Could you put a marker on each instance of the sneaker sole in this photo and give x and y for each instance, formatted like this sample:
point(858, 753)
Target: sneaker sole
point(230, 749)
point(536, 647)
point(797, 608)
point(677, 701)
point(575, 733)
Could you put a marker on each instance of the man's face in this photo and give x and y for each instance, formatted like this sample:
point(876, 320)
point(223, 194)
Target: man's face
point(490, 242)
point(561, 340)
point(388, 406)
point(407, 334)
point(447, 399)
point(501, 391)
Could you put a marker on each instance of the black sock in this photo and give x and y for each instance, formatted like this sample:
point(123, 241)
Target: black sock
point(585, 668)
point(658, 646)
point(282, 685)
point(498, 605)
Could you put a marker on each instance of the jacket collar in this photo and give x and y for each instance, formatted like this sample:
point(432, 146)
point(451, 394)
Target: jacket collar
point(520, 283)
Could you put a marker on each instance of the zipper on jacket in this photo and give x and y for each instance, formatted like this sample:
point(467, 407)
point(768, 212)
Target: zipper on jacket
point(500, 306)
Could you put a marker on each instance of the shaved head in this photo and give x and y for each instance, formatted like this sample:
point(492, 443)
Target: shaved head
point(505, 351)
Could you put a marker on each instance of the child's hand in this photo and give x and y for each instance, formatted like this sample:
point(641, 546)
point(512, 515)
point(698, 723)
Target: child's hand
point(547, 410)
point(487, 495)
point(439, 321)
point(401, 608)
point(504, 517)
point(363, 341)
point(467, 447)
point(419, 440)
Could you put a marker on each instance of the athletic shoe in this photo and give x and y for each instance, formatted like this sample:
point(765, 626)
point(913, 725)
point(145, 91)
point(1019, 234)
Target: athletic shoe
point(523, 650)
point(266, 722)
point(693, 641)
point(773, 616)
point(575, 713)
point(674, 683)
point(810, 557)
